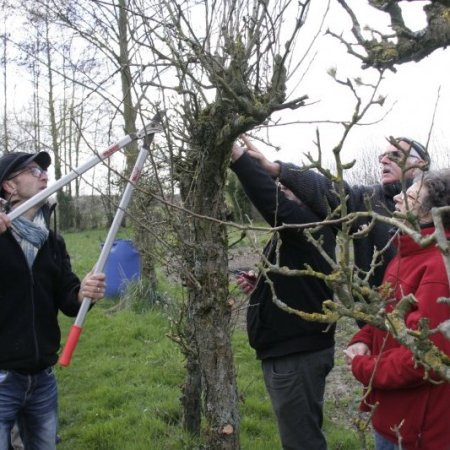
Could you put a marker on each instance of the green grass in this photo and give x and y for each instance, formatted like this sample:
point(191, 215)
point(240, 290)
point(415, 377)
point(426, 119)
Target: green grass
point(122, 388)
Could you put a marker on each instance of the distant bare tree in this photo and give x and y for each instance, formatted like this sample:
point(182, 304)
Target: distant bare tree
point(5, 132)
point(367, 169)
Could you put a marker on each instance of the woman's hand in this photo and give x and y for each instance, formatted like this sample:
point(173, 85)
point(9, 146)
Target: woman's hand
point(358, 348)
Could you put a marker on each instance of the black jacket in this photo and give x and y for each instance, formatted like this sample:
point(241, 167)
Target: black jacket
point(273, 332)
point(30, 300)
point(320, 195)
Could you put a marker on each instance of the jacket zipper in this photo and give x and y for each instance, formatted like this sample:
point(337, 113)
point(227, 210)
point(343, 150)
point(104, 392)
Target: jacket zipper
point(33, 313)
point(33, 305)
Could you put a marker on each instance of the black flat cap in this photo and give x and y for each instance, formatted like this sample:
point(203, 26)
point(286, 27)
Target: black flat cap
point(15, 161)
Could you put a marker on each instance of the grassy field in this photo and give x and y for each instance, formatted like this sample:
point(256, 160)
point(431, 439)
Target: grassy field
point(122, 388)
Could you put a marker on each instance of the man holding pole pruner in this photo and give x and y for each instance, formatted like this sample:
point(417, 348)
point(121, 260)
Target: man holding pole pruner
point(36, 281)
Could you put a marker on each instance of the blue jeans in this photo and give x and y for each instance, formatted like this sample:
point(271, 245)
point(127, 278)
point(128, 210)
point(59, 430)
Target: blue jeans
point(382, 443)
point(296, 385)
point(31, 400)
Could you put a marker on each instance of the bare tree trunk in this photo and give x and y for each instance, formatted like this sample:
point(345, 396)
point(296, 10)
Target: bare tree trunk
point(36, 103)
point(143, 241)
point(209, 314)
point(64, 199)
point(5, 92)
point(210, 325)
point(191, 393)
point(51, 106)
point(77, 144)
point(211, 322)
point(129, 109)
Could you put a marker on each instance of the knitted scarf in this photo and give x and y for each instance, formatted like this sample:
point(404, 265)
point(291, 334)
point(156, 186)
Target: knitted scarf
point(31, 235)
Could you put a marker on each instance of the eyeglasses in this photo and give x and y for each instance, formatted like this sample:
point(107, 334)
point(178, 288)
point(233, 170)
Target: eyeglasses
point(395, 155)
point(35, 171)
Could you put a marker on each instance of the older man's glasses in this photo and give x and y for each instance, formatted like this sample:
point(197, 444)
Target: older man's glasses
point(395, 155)
point(35, 171)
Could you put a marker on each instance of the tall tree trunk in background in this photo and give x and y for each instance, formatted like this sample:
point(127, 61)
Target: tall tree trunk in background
point(75, 159)
point(129, 109)
point(36, 101)
point(144, 241)
point(5, 90)
point(64, 200)
point(51, 107)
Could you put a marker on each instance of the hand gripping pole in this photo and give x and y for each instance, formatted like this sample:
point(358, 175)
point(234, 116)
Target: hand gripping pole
point(147, 131)
point(77, 327)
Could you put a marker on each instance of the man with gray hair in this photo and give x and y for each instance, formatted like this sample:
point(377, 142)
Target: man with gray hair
point(399, 163)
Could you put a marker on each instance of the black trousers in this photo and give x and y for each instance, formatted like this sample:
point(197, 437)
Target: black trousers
point(296, 385)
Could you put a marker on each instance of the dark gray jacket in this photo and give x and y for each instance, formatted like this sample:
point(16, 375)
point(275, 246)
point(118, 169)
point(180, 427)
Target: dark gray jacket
point(273, 332)
point(320, 195)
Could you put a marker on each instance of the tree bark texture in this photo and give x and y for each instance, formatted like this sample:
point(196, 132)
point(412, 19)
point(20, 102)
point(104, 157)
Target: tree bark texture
point(191, 395)
point(209, 314)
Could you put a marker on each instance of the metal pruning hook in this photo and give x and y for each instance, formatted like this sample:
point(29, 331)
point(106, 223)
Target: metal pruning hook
point(147, 132)
point(77, 327)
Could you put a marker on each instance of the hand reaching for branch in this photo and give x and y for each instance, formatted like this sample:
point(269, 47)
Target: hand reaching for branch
point(272, 168)
point(237, 152)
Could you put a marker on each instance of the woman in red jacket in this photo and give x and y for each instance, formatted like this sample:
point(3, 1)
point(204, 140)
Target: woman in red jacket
point(408, 408)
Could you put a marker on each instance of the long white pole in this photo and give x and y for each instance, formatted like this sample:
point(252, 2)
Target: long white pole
point(77, 327)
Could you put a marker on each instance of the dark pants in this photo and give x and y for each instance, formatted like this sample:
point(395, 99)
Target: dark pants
point(296, 385)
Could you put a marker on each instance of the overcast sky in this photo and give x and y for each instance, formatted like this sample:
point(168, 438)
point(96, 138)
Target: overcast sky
point(411, 93)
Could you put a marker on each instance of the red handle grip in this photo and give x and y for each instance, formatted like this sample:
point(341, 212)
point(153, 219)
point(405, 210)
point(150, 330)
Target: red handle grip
point(72, 340)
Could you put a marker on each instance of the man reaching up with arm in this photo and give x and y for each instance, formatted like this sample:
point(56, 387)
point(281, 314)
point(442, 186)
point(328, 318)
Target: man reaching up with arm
point(296, 355)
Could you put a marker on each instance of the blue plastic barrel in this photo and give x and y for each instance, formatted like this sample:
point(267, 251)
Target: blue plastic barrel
point(122, 266)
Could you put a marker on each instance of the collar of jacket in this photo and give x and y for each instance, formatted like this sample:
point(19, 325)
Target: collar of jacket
point(407, 245)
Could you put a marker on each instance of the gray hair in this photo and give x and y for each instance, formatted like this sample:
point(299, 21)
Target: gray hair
point(437, 185)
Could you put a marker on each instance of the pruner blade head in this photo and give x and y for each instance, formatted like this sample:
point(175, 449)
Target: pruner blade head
point(151, 128)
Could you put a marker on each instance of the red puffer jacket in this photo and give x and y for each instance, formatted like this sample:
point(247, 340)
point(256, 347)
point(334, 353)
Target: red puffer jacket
point(419, 408)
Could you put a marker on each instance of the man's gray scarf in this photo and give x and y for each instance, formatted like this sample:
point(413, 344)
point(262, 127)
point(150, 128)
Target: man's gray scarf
point(31, 235)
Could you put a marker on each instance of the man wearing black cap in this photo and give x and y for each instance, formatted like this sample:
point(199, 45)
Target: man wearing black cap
point(36, 280)
point(401, 161)
point(14, 164)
